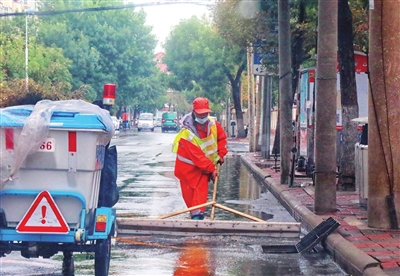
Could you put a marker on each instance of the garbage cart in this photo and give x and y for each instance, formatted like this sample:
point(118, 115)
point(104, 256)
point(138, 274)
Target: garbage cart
point(51, 162)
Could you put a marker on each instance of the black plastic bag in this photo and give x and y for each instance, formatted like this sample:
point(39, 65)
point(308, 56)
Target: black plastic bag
point(109, 193)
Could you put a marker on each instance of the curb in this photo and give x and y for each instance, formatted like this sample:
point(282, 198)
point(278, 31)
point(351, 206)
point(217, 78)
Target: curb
point(353, 260)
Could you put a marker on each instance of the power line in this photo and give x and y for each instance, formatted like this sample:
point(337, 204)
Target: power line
point(128, 6)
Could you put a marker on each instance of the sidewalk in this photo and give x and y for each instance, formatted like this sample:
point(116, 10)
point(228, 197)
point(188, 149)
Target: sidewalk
point(358, 249)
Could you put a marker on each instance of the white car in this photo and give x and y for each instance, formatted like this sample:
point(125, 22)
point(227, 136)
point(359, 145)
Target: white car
point(146, 122)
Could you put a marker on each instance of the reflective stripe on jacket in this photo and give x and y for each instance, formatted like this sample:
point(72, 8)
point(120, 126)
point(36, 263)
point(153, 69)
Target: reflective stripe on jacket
point(208, 144)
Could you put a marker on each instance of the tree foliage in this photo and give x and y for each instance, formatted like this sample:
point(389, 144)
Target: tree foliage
point(47, 66)
point(86, 49)
point(304, 26)
point(15, 93)
point(107, 47)
point(195, 55)
point(240, 23)
point(360, 11)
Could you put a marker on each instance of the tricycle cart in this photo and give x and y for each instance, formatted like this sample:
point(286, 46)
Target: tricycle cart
point(52, 158)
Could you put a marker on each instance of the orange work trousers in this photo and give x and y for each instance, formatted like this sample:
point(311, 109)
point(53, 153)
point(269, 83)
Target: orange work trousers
point(197, 194)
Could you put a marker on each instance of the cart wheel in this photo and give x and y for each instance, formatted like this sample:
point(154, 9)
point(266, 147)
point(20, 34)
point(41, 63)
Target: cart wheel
point(102, 257)
point(68, 264)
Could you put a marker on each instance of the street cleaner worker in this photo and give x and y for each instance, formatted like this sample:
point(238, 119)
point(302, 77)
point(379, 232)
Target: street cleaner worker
point(199, 146)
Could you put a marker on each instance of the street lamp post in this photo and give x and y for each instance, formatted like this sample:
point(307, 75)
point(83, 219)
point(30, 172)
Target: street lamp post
point(26, 52)
point(27, 12)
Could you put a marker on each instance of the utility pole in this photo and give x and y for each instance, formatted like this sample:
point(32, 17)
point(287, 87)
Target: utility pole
point(266, 117)
point(384, 116)
point(285, 89)
point(251, 133)
point(325, 125)
point(257, 98)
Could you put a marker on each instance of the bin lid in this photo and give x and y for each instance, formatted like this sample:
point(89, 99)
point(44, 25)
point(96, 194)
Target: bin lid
point(9, 118)
point(16, 117)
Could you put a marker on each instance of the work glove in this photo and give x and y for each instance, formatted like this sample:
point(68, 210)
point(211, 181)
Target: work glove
point(221, 160)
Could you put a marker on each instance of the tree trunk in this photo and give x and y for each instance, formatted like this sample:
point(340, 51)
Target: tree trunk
point(285, 90)
point(238, 109)
point(236, 95)
point(384, 116)
point(298, 51)
point(325, 124)
point(348, 91)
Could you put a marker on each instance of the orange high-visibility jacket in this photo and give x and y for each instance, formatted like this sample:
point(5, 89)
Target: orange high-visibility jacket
point(191, 174)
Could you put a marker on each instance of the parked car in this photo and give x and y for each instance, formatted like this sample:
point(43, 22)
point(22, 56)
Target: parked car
point(169, 122)
point(117, 122)
point(146, 122)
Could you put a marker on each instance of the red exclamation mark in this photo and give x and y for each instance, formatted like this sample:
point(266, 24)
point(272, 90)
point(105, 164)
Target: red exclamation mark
point(43, 214)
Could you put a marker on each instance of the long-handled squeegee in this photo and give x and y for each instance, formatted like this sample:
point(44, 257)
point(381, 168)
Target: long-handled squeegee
point(161, 225)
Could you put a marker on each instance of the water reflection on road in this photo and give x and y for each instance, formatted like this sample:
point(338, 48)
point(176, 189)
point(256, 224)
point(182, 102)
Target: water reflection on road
point(238, 189)
point(194, 259)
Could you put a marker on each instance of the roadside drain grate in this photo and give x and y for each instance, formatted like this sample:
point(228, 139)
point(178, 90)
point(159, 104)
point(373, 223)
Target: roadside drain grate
point(309, 241)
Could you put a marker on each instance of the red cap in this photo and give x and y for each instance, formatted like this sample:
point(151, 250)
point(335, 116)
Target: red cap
point(201, 106)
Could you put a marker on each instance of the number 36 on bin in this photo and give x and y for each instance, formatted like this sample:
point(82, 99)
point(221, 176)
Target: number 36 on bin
point(48, 145)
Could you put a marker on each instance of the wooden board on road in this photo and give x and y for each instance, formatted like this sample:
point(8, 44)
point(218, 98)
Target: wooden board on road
point(132, 226)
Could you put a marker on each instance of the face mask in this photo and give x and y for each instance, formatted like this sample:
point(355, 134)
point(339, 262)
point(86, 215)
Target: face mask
point(201, 120)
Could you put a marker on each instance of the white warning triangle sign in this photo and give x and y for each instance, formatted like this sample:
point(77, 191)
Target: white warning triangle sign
point(43, 217)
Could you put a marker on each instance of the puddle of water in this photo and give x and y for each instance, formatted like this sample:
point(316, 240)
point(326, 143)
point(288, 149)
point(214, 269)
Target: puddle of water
point(238, 189)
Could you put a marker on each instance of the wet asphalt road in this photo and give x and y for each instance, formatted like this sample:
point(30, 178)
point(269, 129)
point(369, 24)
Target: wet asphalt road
point(149, 189)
